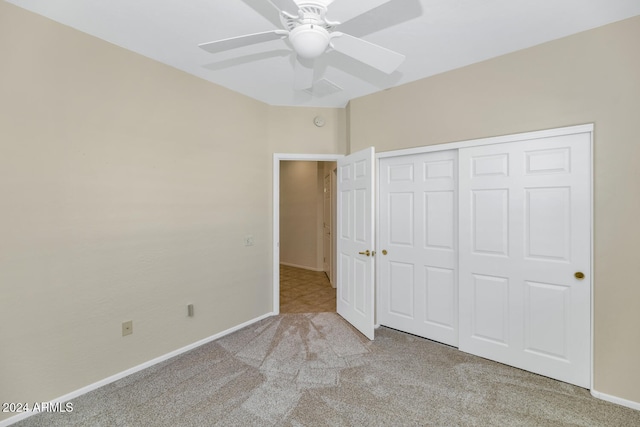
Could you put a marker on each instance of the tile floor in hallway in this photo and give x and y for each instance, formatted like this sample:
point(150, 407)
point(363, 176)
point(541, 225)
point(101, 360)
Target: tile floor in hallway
point(305, 291)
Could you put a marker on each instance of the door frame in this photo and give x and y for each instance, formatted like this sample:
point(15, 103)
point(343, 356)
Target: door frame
point(332, 224)
point(569, 130)
point(277, 158)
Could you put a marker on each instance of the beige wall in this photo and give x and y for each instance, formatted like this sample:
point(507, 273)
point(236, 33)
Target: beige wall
point(589, 77)
point(291, 130)
point(127, 188)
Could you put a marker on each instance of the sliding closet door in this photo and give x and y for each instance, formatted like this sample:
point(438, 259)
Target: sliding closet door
point(525, 239)
point(417, 252)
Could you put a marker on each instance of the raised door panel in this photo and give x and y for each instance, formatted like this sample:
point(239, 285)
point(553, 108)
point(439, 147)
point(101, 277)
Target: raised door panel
point(550, 161)
point(440, 297)
point(548, 223)
point(361, 212)
point(490, 309)
point(402, 290)
point(490, 221)
point(400, 219)
point(439, 211)
point(360, 284)
point(491, 165)
point(344, 271)
point(346, 215)
point(546, 320)
point(439, 169)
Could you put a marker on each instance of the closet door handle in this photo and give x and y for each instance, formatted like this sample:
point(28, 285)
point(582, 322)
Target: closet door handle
point(367, 253)
point(384, 252)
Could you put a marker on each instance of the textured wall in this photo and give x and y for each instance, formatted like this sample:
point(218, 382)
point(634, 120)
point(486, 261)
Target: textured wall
point(591, 77)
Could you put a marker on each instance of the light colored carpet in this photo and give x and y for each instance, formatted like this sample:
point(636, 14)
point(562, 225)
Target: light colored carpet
point(314, 370)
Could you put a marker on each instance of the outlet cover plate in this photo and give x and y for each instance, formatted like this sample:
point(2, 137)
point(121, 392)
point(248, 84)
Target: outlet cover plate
point(127, 328)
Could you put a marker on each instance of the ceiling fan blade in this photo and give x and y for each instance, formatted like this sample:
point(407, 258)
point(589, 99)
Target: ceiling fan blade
point(303, 73)
point(288, 6)
point(344, 10)
point(371, 54)
point(241, 41)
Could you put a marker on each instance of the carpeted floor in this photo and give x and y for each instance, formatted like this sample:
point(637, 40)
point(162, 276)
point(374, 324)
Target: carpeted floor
point(315, 370)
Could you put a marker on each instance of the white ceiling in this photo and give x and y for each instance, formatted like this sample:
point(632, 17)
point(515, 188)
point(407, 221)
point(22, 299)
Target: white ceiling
point(435, 35)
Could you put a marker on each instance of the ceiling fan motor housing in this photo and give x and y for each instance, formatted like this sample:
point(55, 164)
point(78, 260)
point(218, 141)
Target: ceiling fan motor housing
point(309, 40)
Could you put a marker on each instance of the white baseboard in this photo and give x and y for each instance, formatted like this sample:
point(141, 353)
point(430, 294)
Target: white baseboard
point(288, 264)
point(120, 375)
point(617, 400)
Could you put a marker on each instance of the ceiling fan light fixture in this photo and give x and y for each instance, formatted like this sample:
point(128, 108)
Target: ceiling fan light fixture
point(309, 40)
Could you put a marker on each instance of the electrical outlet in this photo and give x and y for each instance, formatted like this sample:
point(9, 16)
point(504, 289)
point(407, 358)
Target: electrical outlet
point(127, 328)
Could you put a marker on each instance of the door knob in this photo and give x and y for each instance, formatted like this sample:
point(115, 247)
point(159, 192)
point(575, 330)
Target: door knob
point(367, 253)
point(384, 252)
point(579, 275)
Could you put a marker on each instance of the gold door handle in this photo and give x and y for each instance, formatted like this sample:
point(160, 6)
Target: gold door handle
point(579, 275)
point(367, 253)
point(384, 252)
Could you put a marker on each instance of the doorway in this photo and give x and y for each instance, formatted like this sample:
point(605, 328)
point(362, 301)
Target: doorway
point(304, 217)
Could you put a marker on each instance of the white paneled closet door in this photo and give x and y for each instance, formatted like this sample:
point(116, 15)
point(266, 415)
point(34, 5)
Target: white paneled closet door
point(525, 241)
point(417, 278)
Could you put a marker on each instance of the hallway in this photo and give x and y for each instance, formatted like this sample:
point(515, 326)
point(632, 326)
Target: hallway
point(305, 291)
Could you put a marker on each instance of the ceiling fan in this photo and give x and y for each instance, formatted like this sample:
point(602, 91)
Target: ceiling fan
point(309, 27)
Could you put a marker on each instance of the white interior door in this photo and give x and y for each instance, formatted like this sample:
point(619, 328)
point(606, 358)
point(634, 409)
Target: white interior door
point(355, 269)
point(417, 258)
point(524, 234)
